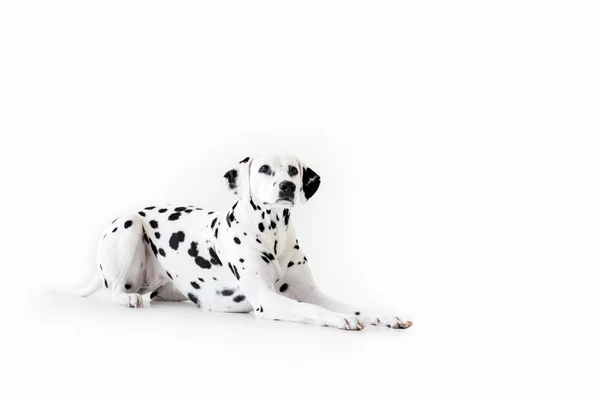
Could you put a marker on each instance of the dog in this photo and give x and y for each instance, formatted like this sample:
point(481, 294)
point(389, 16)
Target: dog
point(247, 259)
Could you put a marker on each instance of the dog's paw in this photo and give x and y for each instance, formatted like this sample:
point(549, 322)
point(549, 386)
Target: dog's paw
point(345, 322)
point(391, 321)
point(133, 300)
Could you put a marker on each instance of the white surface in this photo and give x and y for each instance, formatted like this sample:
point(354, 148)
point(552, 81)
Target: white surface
point(458, 147)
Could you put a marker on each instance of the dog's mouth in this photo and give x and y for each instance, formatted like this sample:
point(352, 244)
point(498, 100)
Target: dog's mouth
point(285, 200)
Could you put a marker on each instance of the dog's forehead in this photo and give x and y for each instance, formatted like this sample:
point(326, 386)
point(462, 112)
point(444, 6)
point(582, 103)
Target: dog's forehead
point(275, 160)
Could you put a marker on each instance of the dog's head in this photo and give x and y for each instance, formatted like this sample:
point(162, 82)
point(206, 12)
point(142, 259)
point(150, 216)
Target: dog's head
point(273, 180)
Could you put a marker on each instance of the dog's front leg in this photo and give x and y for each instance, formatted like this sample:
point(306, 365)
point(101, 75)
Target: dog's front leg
point(300, 285)
point(313, 295)
point(269, 304)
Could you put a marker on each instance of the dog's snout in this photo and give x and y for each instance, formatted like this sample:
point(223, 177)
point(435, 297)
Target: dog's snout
point(287, 187)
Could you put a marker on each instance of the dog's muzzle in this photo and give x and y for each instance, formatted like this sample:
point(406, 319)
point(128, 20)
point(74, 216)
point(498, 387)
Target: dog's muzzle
point(287, 190)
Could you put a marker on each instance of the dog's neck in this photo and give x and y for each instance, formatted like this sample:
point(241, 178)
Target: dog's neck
point(262, 220)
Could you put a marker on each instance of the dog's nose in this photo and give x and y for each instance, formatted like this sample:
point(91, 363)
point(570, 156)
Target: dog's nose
point(287, 187)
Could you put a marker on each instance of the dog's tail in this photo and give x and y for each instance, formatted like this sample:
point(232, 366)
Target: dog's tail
point(92, 287)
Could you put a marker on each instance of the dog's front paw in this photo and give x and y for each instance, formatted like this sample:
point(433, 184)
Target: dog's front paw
point(345, 322)
point(391, 321)
point(133, 300)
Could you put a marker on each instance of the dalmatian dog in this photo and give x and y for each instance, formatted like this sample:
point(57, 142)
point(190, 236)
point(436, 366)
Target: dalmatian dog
point(247, 259)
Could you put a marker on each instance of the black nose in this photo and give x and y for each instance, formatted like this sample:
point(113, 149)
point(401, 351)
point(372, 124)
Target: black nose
point(287, 187)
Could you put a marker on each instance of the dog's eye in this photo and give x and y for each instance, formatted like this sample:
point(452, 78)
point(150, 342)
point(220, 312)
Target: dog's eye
point(292, 170)
point(264, 169)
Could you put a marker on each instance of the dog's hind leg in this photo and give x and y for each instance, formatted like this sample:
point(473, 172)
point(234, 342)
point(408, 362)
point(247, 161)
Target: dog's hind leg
point(121, 257)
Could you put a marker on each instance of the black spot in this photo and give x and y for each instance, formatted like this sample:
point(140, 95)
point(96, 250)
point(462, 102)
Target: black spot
point(143, 214)
point(154, 224)
point(262, 215)
point(258, 240)
point(290, 264)
point(127, 286)
point(253, 205)
point(100, 267)
point(231, 217)
point(150, 208)
point(179, 209)
point(388, 325)
point(114, 230)
point(195, 285)
point(127, 224)
point(211, 212)
point(357, 313)
point(193, 251)
point(176, 238)
point(201, 280)
point(216, 233)
point(241, 260)
point(202, 262)
point(174, 216)
point(193, 298)
point(275, 248)
point(227, 292)
point(234, 271)
point(297, 247)
point(169, 275)
point(157, 235)
point(212, 225)
point(114, 220)
point(273, 224)
point(154, 249)
point(245, 160)
point(189, 210)
point(227, 219)
point(162, 210)
point(104, 236)
point(265, 257)
point(162, 252)
point(146, 239)
point(105, 283)
point(214, 257)
point(153, 294)
point(261, 227)
point(214, 278)
point(283, 287)
point(236, 240)
point(271, 257)
point(239, 298)
point(286, 216)
point(268, 211)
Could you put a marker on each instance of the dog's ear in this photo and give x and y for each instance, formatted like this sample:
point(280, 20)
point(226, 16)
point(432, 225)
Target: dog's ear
point(238, 178)
point(310, 183)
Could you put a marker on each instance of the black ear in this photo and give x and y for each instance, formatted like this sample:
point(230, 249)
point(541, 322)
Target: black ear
point(310, 182)
point(237, 178)
point(231, 177)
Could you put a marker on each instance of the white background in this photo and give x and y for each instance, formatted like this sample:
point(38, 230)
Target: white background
point(458, 148)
